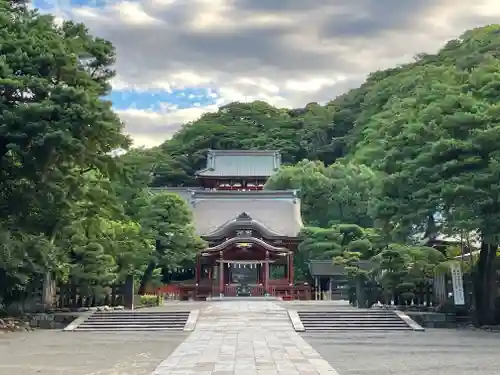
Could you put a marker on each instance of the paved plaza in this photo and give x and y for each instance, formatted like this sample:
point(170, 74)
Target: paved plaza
point(249, 338)
point(53, 352)
point(433, 352)
point(244, 338)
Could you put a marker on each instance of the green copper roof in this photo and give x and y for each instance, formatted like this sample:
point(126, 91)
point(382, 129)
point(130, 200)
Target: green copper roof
point(241, 163)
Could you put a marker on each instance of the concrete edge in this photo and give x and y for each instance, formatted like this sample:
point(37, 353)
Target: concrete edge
point(75, 323)
point(296, 322)
point(191, 320)
point(413, 324)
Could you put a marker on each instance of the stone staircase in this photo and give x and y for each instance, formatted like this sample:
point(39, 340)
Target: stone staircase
point(356, 320)
point(134, 321)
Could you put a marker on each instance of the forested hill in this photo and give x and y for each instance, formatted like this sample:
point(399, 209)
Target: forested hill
point(346, 126)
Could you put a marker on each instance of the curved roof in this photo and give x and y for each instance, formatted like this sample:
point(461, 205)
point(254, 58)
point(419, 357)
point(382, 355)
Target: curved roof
point(275, 213)
point(253, 240)
point(241, 163)
point(243, 221)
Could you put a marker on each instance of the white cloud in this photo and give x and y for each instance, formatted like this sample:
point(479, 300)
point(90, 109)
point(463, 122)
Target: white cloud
point(150, 128)
point(287, 52)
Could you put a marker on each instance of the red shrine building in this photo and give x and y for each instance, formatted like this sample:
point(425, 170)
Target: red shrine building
point(252, 234)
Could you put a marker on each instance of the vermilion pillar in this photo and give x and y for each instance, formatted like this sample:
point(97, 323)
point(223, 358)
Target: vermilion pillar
point(290, 268)
point(266, 272)
point(221, 274)
point(198, 269)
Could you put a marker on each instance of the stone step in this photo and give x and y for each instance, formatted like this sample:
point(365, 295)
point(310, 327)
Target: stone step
point(355, 320)
point(344, 328)
point(98, 325)
point(135, 321)
point(110, 318)
point(358, 324)
point(360, 321)
point(342, 319)
point(127, 329)
point(353, 313)
point(347, 320)
point(139, 322)
point(132, 313)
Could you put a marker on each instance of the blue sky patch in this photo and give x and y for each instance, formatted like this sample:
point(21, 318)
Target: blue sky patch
point(48, 5)
point(154, 100)
point(157, 100)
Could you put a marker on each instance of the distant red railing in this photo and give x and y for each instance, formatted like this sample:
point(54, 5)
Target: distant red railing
point(169, 288)
point(201, 292)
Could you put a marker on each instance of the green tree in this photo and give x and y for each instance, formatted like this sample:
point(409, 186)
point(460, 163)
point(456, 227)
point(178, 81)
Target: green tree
point(339, 193)
point(436, 141)
point(168, 220)
point(332, 243)
point(55, 143)
point(401, 268)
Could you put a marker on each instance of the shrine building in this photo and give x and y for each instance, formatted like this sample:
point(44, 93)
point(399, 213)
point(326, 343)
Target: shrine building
point(252, 234)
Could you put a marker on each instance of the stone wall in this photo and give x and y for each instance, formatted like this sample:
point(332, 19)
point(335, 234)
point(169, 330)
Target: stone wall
point(37, 321)
point(51, 321)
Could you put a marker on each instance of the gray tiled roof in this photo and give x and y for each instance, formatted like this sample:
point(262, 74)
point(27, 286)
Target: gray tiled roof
point(184, 192)
point(245, 163)
point(327, 268)
point(279, 211)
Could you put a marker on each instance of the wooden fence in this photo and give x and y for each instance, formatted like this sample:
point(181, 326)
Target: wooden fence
point(71, 296)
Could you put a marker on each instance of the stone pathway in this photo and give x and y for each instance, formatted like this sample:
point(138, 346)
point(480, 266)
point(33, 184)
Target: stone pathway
point(244, 338)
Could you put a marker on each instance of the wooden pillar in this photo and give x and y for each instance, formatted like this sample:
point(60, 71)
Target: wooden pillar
point(266, 272)
point(198, 269)
point(291, 275)
point(221, 274)
point(330, 288)
point(128, 292)
point(317, 288)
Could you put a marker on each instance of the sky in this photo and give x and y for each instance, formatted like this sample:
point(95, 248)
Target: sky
point(177, 59)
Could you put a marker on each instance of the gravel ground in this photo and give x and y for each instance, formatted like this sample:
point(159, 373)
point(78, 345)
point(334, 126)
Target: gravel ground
point(47, 352)
point(433, 352)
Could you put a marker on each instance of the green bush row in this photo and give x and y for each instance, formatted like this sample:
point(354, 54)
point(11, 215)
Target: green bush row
point(151, 300)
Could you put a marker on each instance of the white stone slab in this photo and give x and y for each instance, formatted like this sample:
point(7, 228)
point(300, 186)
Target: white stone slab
point(296, 322)
point(413, 324)
point(191, 320)
point(75, 323)
point(244, 338)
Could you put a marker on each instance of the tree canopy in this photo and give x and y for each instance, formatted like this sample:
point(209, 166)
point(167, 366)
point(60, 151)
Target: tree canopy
point(335, 194)
point(68, 208)
point(412, 151)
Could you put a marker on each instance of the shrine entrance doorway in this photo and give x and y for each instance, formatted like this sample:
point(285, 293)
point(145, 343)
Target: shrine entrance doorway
point(243, 273)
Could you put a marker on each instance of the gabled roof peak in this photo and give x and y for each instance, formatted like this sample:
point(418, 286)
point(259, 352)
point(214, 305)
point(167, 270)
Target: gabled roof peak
point(242, 152)
point(241, 163)
point(243, 217)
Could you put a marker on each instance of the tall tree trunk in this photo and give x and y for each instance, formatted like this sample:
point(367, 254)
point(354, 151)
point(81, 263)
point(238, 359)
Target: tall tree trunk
point(48, 290)
point(430, 228)
point(484, 285)
point(146, 277)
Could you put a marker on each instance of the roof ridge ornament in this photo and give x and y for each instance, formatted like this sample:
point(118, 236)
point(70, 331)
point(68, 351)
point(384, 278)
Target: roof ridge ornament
point(243, 216)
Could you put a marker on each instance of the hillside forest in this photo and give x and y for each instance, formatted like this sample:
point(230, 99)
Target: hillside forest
point(414, 151)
